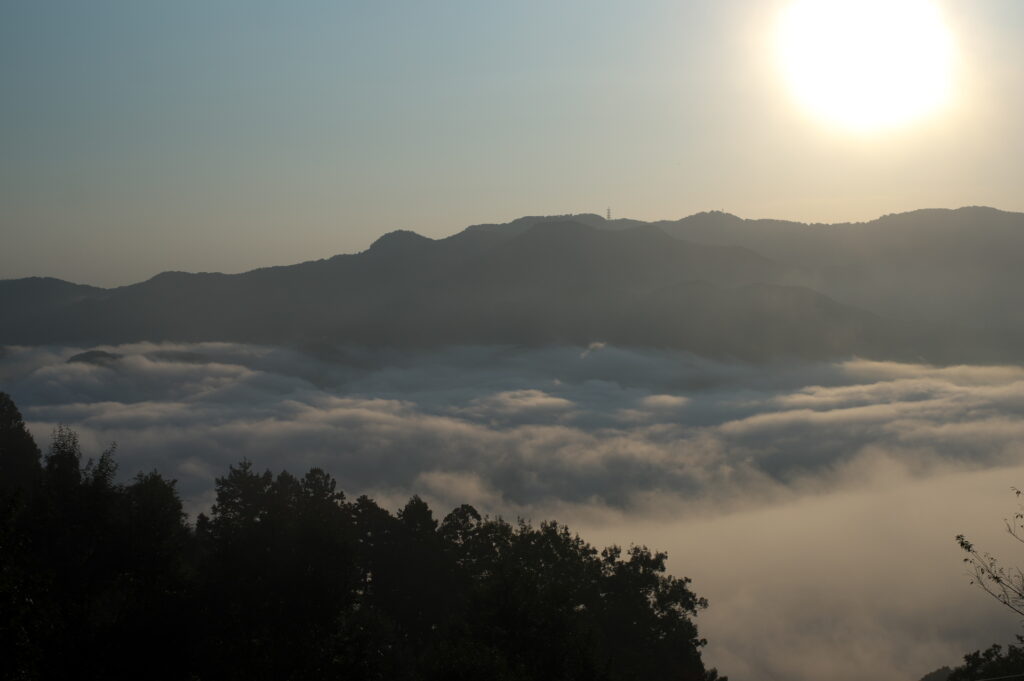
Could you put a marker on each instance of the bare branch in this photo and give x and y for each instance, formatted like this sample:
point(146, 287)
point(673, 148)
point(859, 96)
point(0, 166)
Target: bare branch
point(1005, 585)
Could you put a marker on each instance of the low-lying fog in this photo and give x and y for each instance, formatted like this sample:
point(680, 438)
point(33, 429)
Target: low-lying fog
point(814, 504)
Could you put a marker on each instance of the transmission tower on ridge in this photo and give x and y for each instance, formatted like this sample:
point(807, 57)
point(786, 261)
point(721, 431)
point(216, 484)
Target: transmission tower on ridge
point(608, 214)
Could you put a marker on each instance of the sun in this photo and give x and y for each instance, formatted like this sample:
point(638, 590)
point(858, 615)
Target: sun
point(866, 65)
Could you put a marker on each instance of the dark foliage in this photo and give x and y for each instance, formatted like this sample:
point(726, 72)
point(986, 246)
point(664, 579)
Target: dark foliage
point(994, 662)
point(286, 579)
point(19, 455)
point(1006, 586)
point(940, 674)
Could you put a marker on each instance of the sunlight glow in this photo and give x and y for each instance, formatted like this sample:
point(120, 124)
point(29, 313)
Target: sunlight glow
point(866, 65)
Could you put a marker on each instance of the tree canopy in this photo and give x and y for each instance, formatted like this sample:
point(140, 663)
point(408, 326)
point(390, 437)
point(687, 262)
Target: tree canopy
point(1006, 585)
point(286, 578)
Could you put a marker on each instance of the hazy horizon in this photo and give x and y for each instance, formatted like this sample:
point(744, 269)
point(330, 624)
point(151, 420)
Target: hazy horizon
point(104, 283)
point(138, 139)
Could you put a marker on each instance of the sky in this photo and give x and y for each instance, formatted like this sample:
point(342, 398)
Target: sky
point(138, 137)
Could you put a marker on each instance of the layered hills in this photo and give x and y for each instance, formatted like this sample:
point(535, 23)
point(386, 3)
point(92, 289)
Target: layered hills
point(938, 286)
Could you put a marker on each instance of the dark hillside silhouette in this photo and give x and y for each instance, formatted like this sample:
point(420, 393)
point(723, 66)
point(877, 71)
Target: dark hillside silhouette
point(287, 579)
point(932, 265)
point(934, 285)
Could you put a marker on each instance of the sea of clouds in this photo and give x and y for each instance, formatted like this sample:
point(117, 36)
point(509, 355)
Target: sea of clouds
point(814, 504)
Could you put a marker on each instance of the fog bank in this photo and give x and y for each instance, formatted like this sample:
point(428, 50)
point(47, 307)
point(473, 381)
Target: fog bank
point(814, 504)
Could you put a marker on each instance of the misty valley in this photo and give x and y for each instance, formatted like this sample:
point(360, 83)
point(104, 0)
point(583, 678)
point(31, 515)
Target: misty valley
point(375, 465)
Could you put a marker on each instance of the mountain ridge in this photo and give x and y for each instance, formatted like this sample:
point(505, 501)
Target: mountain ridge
point(523, 223)
point(774, 288)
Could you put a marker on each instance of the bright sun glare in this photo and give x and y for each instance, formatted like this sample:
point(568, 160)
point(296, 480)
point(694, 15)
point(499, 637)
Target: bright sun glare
point(866, 64)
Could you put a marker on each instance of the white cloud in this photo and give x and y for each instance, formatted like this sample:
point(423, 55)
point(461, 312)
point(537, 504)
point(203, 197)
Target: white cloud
point(664, 401)
point(814, 503)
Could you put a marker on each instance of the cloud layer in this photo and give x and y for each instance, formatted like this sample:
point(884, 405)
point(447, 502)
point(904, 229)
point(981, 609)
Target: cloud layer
point(785, 490)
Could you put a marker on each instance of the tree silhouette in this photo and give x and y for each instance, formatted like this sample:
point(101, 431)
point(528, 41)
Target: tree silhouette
point(991, 663)
point(1005, 584)
point(93, 571)
point(19, 455)
point(20, 471)
point(287, 579)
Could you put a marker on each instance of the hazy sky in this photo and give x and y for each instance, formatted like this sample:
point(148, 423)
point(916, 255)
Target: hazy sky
point(223, 135)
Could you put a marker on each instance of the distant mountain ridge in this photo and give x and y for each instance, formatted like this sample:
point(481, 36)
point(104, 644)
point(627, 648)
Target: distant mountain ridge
point(937, 285)
point(924, 265)
point(927, 265)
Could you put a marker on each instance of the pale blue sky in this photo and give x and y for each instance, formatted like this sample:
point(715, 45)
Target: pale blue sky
point(221, 135)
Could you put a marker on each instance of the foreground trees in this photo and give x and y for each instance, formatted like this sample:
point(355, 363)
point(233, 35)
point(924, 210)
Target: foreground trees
point(1005, 585)
point(993, 663)
point(287, 579)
